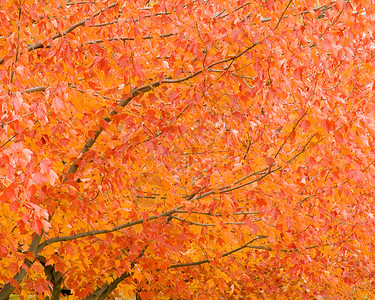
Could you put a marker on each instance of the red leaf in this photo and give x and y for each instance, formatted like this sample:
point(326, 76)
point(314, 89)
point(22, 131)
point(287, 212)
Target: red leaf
point(14, 205)
point(270, 161)
point(41, 112)
point(161, 77)
point(45, 166)
point(37, 225)
point(9, 193)
point(39, 178)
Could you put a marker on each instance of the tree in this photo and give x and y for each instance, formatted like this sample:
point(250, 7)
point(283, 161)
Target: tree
point(184, 149)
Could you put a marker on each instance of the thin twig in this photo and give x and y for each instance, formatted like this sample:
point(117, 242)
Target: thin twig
point(147, 37)
point(294, 128)
point(191, 222)
point(18, 43)
point(282, 15)
point(35, 89)
point(70, 29)
point(10, 139)
point(196, 263)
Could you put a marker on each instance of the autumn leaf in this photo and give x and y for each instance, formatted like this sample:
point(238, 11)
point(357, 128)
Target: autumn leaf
point(169, 150)
point(270, 161)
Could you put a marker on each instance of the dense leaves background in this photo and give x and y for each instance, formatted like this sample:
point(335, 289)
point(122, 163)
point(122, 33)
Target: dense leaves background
point(187, 149)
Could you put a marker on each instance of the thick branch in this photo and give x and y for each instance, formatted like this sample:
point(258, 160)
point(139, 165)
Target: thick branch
point(54, 277)
point(74, 167)
point(8, 288)
point(106, 289)
point(113, 285)
point(103, 231)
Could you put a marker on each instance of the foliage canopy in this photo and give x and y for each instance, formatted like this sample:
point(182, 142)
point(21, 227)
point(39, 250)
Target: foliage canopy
point(181, 149)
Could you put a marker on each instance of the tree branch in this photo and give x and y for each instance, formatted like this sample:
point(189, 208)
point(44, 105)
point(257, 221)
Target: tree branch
point(106, 289)
point(201, 262)
point(216, 215)
point(147, 37)
point(70, 29)
point(8, 288)
point(141, 220)
point(192, 223)
point(103, 231)
point(294, 128)
point(35, 89)
point(282, 15)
